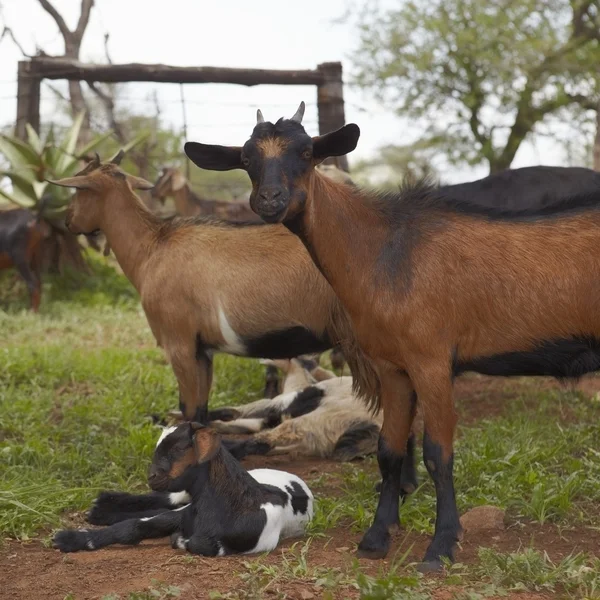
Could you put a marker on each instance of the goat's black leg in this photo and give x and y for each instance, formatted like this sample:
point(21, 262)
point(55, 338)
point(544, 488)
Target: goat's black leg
point(337, 359)
point(398, 414)
point(114, 507)
point(434, 387)
point(447, 523)
point(129, 532)
point(32, 281)
point(241, 449)
point(271, 382)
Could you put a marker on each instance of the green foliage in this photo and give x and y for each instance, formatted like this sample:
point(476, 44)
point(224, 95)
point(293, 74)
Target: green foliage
point(533, 570)
point(36, 160)
point(100, 286)
point(480, 76)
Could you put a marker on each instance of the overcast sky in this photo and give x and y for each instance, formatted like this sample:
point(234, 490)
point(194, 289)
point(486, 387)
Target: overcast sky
point(231, 33)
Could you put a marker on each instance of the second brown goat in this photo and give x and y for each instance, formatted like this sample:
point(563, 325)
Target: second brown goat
point(206, 285)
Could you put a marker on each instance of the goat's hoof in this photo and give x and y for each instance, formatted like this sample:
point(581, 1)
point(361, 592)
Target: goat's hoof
point(375, 554)
point(375, 545)
point(430, 566)
point(178, 542)
point(69, 540)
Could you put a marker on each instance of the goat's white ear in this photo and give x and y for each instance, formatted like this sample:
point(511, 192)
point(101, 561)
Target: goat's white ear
point(137, 183)
point(78, 182)
point(207, 443)
point(178, 181)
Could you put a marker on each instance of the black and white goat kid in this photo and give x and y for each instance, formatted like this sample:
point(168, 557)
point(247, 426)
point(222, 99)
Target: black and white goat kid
point(229, 510)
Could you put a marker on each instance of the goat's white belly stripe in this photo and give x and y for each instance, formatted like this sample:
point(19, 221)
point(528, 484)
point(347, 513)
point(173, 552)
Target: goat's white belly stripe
point(162, 514)
point(233, 344)
point(269, 538)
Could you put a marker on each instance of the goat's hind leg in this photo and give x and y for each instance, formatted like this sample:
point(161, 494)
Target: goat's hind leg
point(129, 532)
point(398, 414)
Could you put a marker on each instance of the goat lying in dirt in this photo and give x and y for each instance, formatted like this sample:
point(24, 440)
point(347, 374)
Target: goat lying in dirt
point(322, 419)
point(223, 509)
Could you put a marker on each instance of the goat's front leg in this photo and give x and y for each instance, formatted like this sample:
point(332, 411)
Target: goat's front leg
point(193, 369)
point(271, 382)
point(113, 507)
point(129, 532)
point(433, 383)
point(398, 414)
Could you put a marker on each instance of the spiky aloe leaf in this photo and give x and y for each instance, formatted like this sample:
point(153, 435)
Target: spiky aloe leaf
point(67, 147)
point(22, 157)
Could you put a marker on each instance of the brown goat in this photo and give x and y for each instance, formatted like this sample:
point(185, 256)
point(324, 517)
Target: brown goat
point(172, 182)
point(21, 237)
point(200, 281)
point(434, 286)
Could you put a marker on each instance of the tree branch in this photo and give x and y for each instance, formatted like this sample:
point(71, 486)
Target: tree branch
point(60, 22)
point(8, 31)
point(84, 17)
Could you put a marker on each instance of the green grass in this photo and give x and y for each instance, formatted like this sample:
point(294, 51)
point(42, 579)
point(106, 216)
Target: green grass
point(80, 381)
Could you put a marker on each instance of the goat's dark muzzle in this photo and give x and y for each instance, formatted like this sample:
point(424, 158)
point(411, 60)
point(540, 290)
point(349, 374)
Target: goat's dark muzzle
point(271, 203)
point(158, 480)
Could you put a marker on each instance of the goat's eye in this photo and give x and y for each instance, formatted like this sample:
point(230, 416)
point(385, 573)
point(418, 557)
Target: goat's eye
point(245, 161)
point(306, 155)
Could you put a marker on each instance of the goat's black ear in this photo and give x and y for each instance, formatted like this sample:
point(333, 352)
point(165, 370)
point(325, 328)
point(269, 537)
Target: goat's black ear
point(207, 443)
point(213, 157)
point(336, 143)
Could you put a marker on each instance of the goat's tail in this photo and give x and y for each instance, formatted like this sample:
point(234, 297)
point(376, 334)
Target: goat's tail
point(356, 442)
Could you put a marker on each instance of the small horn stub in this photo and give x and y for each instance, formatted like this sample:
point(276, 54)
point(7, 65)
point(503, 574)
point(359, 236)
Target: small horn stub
point(118, 158)
point(96, 162)
point(259, 117)
point(299, 113)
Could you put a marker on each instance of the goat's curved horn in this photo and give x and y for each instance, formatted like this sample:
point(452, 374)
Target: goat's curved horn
point(259, 117)
point(118, 158)
point(96, 161)
point(299, 113)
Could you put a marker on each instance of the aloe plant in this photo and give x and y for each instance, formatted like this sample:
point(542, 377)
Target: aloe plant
point(34, 160)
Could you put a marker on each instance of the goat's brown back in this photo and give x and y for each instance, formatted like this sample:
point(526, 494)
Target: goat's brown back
point(231, 267)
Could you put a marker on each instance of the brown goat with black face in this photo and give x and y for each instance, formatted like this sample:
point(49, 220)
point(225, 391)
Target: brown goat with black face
point(434, 285)
point(201, 281)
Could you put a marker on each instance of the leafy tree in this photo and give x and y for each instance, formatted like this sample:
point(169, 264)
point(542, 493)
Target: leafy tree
point(482, 75)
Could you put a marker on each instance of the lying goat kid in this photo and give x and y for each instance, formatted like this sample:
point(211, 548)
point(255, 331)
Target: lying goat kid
point(232, 511)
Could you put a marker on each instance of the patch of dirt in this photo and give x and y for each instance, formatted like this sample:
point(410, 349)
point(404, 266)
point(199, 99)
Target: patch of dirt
point(30, 571)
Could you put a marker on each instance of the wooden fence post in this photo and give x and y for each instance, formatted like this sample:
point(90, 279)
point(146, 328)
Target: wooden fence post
point(28, 99)
point(330, 103)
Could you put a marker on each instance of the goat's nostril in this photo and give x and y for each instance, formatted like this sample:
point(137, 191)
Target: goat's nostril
point(270, 195)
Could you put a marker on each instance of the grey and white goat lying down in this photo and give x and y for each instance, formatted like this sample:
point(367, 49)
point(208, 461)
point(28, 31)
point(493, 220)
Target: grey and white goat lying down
point(203, 498)
point(310, 418)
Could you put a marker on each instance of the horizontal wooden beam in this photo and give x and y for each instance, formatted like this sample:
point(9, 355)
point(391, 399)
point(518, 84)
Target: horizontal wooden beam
point(60, 68)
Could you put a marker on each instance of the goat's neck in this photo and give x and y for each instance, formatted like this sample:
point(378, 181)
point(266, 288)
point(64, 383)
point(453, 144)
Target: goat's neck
point(343, 236)
point(183, 198)
point(130, 229)
point(228, 480)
